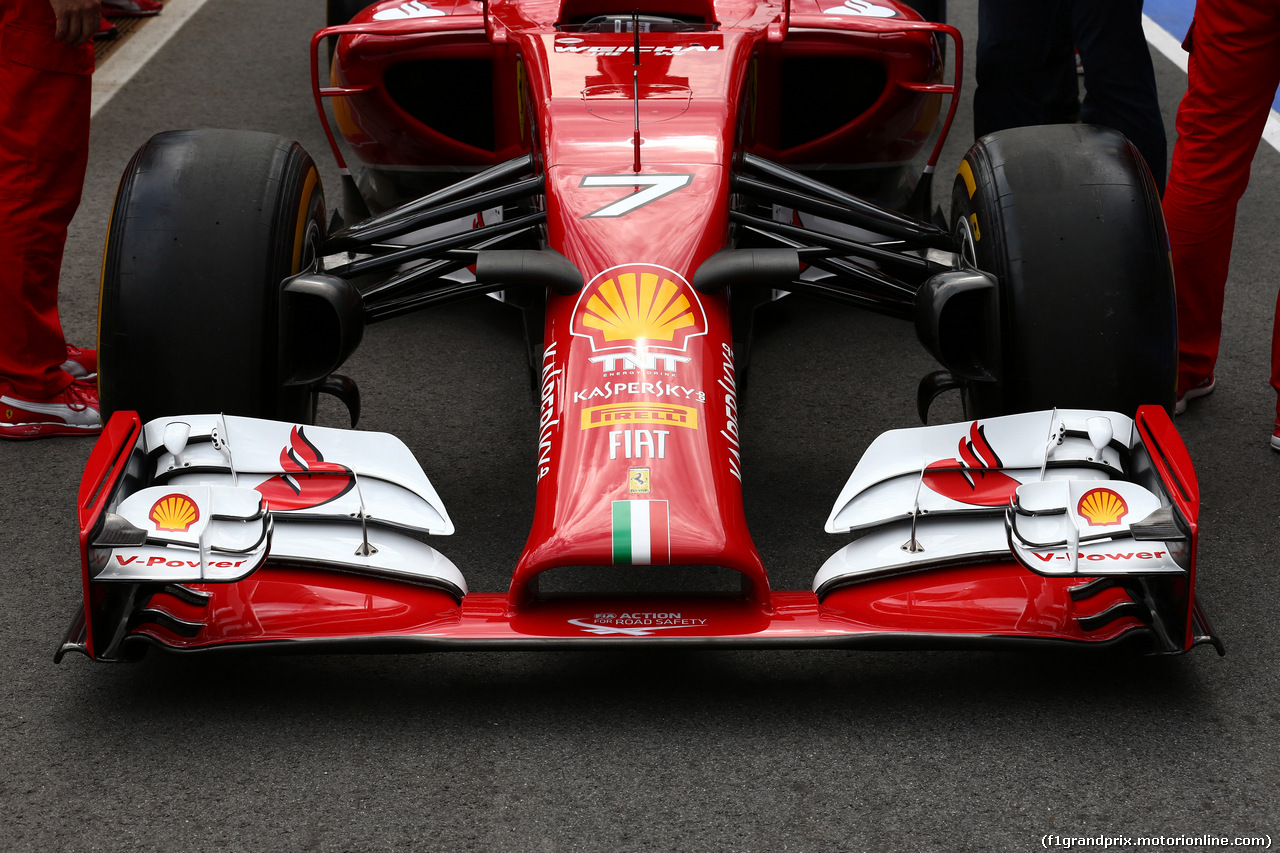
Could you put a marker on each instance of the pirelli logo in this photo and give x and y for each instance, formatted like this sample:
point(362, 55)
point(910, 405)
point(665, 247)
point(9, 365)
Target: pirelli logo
point(615, 414)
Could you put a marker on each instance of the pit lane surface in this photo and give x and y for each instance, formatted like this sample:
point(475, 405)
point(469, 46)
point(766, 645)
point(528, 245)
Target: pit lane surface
point(653, 751)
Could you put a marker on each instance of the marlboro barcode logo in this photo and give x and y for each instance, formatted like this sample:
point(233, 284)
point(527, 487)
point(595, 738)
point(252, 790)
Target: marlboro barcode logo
point(641, 533)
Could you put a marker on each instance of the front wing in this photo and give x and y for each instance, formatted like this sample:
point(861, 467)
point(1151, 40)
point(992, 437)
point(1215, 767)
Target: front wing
point(1067, 528)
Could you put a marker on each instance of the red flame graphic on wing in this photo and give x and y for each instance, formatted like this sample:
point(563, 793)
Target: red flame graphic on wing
point(307, 480)
point(975, 477)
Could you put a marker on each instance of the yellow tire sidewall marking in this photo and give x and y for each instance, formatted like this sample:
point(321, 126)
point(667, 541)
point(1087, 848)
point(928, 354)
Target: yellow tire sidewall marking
point(966, 175)
point(300, 231)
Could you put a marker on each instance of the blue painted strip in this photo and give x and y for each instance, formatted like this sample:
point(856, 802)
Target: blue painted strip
point(1174, 16)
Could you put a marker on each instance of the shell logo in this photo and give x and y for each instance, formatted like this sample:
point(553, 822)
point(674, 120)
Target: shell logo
point(639, 303)
point(635, 307)
point(1101, 507)
point(174, 513)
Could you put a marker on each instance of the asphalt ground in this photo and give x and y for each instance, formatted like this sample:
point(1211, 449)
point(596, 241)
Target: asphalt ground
point(647, 751)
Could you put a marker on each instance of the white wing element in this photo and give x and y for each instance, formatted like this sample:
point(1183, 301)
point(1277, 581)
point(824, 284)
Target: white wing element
point(340, 547)
point(192, 534)
point(973, 467)
point(1097, 530)
point(886, 552)
point(231, 494)
point(1047, 489)
point(373, 475)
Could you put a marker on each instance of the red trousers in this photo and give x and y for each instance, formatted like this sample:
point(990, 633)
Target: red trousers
point(1232, 76)
point(45, 90)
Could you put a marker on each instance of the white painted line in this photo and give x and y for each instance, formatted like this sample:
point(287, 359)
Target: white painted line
point(1171, 48)
point(141, 46)
point(1160, 39)
point(1271, 133)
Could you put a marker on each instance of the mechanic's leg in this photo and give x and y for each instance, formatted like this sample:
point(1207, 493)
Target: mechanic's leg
point(1200, 238)
point(1119, 79)
point(1234, 69)
point(1013, 40)
point(45, 87)
point(1061, 96)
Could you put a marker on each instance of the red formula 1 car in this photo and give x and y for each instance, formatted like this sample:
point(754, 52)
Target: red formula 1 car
point(639, 182)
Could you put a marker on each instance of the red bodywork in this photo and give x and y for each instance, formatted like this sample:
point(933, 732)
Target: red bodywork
point(638, 402)
point(885, 75)
point(624, 397)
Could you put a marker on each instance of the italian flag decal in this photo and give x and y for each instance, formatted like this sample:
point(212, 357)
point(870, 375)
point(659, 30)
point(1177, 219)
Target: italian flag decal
point(641, 533)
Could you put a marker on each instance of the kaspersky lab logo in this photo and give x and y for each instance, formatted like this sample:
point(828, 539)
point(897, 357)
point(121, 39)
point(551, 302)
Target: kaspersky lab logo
point(639, 307)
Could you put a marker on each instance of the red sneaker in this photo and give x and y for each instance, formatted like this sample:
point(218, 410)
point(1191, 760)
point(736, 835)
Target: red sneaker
point(106, 30)
point(81, 363)
point(72, 411)
point(131, 8)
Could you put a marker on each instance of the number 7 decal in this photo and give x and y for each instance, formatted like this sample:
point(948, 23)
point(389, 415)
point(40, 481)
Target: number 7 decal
point(647, 188)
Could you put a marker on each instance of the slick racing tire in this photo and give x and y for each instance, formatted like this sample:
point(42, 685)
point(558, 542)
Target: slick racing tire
point(1067, 220)
point(207, 225)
